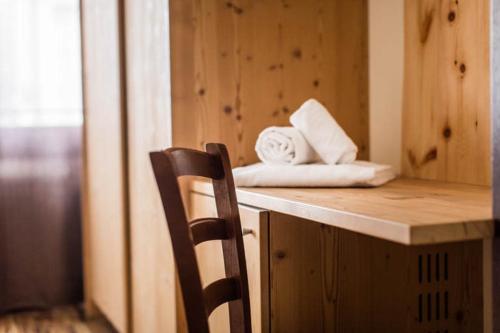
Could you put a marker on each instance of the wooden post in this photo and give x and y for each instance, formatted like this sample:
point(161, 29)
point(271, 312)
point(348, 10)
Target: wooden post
point(495, 109)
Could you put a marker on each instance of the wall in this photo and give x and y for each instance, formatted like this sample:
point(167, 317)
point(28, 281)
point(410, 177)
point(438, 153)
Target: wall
point(238, 67)
point(446, 114)
point(386, 47)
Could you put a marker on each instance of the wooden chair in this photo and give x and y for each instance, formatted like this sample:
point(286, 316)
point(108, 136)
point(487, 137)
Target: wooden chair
point(199, 303)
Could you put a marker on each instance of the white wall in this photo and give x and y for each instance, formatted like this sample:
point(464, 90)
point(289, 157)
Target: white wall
point(386, 37)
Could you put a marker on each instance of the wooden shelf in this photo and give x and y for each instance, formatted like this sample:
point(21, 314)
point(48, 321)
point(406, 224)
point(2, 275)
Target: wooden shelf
point(407, 211)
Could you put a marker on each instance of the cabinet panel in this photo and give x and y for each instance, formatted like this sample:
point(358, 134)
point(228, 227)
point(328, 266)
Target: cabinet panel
point(148, 129)
point(104, 186)
point(325, 279)
point(210, 260)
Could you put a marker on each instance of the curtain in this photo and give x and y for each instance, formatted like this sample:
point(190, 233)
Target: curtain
point(40, 148)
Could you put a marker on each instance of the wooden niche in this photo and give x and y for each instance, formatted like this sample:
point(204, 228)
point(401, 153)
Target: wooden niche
point(240, 66)
point(446, 113)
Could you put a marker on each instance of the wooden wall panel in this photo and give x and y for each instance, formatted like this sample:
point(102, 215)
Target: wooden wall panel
point(446, 116)
point(104, 186)
point(240, 66)
point(149, 129)
point(325, 279)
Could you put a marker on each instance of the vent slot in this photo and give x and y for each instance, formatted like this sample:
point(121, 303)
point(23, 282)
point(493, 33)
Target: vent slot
point(429, 307)
point(438, 314)
point(445, 305)
point(428, 268)
point(446, 266)
point(420, 269)
point(420, 308)
point(437, 266)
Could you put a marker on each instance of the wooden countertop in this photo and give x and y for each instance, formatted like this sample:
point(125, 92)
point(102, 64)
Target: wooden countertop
point(407, 211)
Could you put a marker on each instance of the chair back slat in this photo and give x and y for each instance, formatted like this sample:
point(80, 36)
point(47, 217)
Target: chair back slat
point(220, 292)
point(207, 229)
point(170, 164)
point(190, 162)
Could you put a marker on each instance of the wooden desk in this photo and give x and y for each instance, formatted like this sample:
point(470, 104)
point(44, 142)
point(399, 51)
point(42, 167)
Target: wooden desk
point(404, 257)
point(406, 211)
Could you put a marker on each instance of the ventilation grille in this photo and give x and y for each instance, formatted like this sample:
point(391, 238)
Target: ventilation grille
point(433, 296)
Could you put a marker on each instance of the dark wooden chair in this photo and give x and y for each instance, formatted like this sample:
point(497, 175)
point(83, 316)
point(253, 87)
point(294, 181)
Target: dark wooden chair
point(199, 303)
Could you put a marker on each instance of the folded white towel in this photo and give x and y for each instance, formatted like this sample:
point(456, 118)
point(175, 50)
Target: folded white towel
point(323, 133)
point(284, 145)
point(359, 173)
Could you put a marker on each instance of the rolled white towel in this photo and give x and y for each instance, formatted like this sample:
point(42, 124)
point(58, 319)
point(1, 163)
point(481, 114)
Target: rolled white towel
point(356, 174)
point(323, 133)
point(284, 145)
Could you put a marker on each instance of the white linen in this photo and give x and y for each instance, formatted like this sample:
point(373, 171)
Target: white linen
point(284, 145)
point(359, 173)
point(323, 133)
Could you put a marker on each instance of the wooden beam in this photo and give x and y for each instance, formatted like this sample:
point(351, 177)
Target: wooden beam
point(495, 111)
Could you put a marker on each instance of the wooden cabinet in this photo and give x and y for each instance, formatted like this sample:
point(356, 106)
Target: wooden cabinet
point(324, 278)
point(210, 260)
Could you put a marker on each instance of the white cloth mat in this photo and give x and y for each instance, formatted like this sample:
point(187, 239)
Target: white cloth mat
point(356, 174)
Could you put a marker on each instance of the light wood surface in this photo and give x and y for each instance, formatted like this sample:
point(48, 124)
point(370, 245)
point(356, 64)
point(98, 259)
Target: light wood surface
point(67, 319)
point(148, 119)
point(446, 113)
point(210, 261)
point(407, 211)
point(247, 65)
point(325, 279)
point(104, 185)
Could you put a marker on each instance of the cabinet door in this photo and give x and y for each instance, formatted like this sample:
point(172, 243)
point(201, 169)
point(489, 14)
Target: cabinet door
point(210, 260)
point(104, 195)
point(325, 279)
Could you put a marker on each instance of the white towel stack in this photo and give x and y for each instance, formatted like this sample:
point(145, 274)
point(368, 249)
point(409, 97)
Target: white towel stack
point(315, 152)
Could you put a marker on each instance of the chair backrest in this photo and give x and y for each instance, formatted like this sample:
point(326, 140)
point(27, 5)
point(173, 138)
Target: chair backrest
point(170, 164)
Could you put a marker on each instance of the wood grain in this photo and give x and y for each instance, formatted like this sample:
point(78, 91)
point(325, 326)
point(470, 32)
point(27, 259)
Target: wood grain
point(67, 319)
point(408, 211)
point(211, 266)
point(446, 112)
point(105, 184)
point(324, 279)
point(246, 65)
point(148, 120)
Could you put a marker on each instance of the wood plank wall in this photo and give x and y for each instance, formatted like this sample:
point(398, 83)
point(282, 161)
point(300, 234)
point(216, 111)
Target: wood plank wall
point(446, 116)
point(240, 66)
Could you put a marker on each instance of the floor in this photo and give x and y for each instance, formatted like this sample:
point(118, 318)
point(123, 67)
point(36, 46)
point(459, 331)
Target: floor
point(60, 320)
